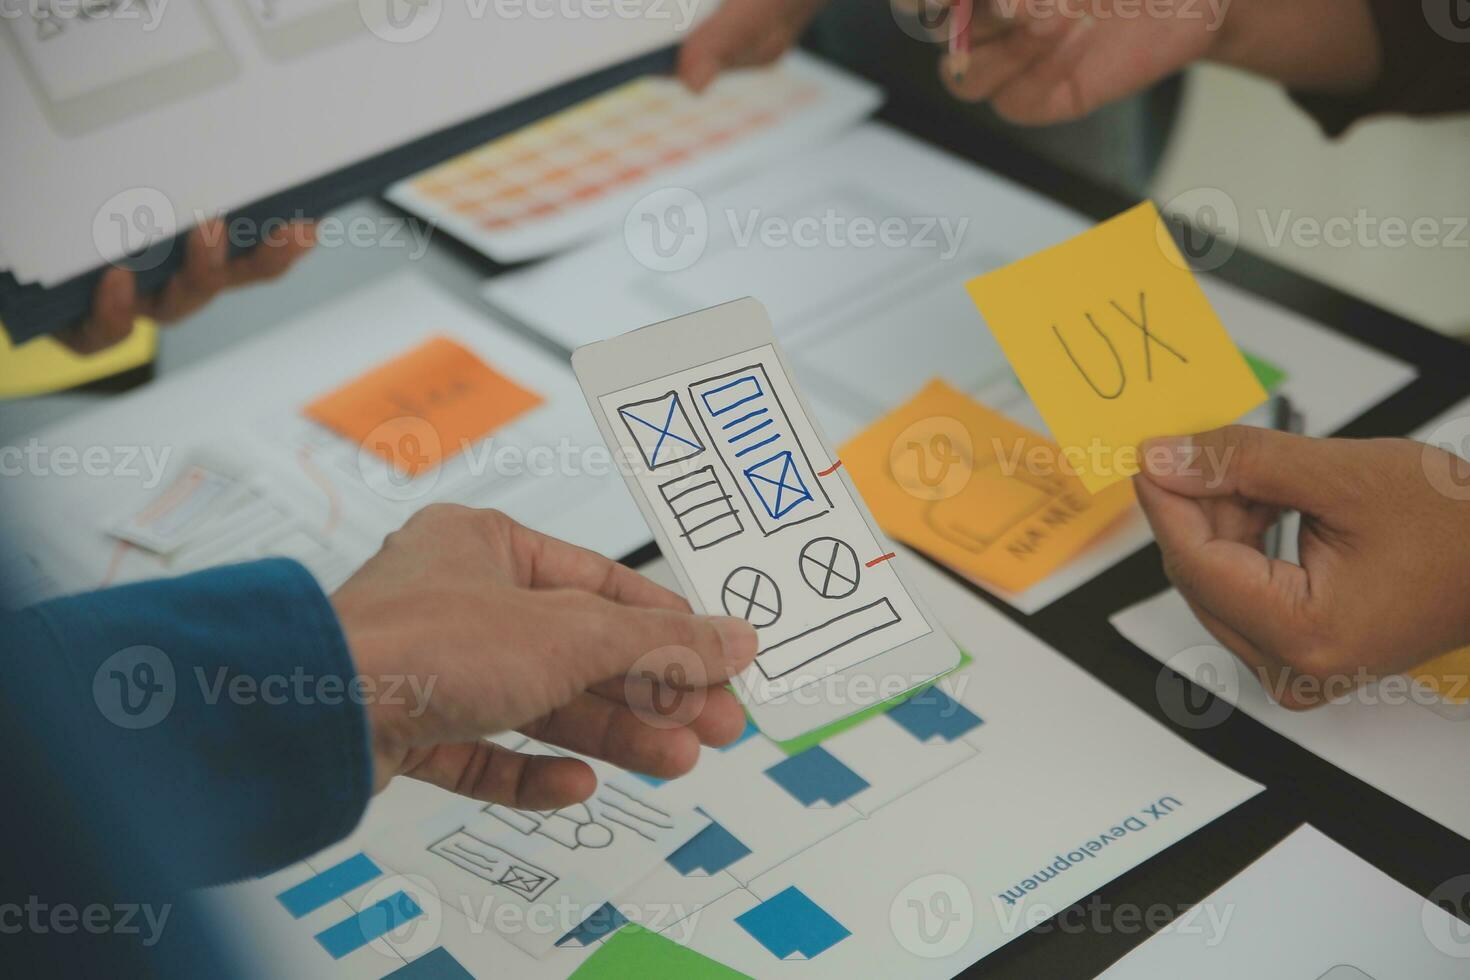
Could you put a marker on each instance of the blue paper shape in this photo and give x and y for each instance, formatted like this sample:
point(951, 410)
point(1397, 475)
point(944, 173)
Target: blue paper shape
point(817, 776)
point(599, 925)
point(437, 964)
point(710, 851)
point(791, 924)
point(352, 934)
point(333, 883)
point(933, 712)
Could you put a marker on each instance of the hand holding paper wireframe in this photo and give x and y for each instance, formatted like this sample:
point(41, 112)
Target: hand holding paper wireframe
point(757, 517)
point(509, 629)
point(1385, 552)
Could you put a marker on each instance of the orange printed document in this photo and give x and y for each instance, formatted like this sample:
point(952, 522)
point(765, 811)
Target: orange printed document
point(1115, 342)
point(425, 406)
point(1449, 676)
point(987, 497)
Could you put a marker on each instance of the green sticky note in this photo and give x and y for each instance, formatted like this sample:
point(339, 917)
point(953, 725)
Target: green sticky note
point(815, 737)
point(634, 953)
point(1269, 375)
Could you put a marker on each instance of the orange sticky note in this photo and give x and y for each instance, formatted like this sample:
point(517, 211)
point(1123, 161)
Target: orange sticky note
point(1448, 675)
point(985, 496)
point(423, 407)
point(1115, 342)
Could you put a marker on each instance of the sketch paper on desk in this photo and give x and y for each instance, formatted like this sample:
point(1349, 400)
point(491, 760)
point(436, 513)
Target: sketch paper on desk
point(751, 507)
point(1407, 740)
point(556, 866)
point(292, 438)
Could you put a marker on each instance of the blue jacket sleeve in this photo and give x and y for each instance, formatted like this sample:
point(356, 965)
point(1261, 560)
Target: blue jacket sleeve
point(212, 721)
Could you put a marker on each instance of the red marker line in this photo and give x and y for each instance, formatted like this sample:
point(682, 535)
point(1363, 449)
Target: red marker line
point(880, 559)
point(831, 469)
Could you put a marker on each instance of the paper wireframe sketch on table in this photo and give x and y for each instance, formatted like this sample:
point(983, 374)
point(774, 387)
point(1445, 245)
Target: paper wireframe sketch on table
point(748, 501)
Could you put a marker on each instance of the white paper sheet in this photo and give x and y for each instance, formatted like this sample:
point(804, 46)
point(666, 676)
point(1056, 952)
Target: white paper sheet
point(1401, 739)
point(1308, 909)
point(526, 195)
point(201, 107)
point(555, 867)
point(866, 326)
point(1053, 759)
point(548, 468)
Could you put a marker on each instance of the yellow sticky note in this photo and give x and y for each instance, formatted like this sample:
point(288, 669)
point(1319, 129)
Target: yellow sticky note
point(1116, 343)
point(964, 484)
point(44, 364)
point(1448, 675)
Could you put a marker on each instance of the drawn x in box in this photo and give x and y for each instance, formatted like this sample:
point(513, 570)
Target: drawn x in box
point(753, 435)
point(662, 430)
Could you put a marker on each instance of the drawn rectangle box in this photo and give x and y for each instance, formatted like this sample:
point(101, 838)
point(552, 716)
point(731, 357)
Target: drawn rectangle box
point(701, 506)
point(792, 653)
point(495, 865)
point(748, 427)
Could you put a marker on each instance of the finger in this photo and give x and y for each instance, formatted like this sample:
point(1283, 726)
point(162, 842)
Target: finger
point(1236, 519)
point(722, 721)
point(939, 20)
point(273, 256)
point(205, 273)
point(112, 317)
point(596, 639)
point(719, 721)
point(1262, 465)
point(1236, 583)
point(486, 771)
point(976, 75)
point(734, 36)
point(613, 732)
point(550, 563)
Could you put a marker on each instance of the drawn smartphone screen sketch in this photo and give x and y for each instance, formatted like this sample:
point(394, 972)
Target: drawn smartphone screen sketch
point(757, 518)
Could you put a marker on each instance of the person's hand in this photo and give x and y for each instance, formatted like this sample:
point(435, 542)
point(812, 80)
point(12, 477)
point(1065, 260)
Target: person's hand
point(1385, 551)
point(1044, 63)
point(1041, 62)
point(519, 631)
point(207, 271)
point(741, 33)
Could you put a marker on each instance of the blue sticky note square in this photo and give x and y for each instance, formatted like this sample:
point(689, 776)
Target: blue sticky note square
point(599, 925)
point(934, 713)
point(817, 776)
point(791, 925)
point(708, 852)
point(437, 964)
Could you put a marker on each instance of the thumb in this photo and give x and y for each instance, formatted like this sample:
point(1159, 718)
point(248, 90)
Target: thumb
point(605, 639)
point(1261, 465)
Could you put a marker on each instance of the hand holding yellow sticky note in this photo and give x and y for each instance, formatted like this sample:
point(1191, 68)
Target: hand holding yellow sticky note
point(988, 497)
point(1115, 342)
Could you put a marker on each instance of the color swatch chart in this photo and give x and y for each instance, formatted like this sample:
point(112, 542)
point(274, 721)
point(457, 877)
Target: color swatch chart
point(575, 174)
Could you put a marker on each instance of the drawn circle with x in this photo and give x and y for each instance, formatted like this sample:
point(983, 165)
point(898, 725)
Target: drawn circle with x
point(752, 595)
point(830, 567)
